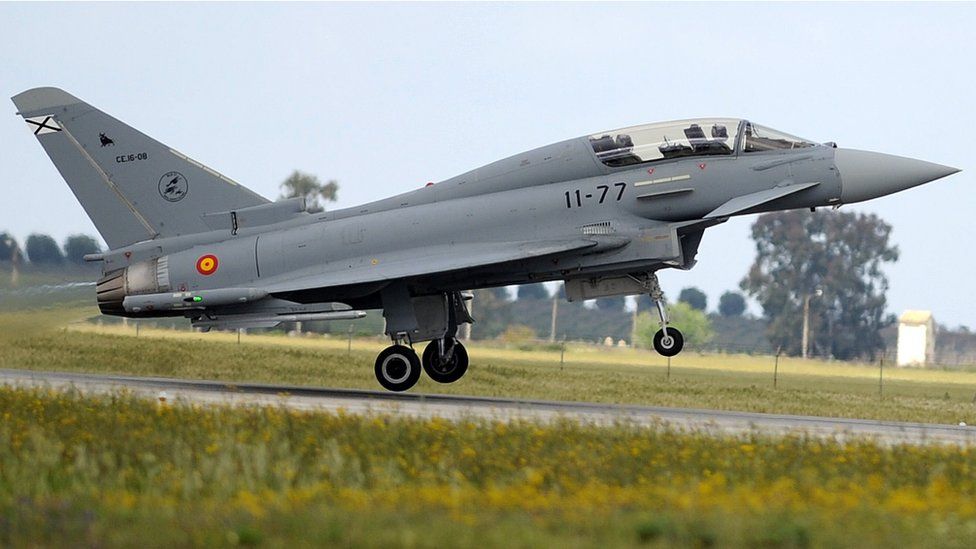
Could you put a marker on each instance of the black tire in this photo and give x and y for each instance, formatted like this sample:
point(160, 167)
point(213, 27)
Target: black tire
point(450, 372)
point(669, 346)
point(397, 368)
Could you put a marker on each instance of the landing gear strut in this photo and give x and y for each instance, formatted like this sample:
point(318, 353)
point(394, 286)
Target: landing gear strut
point(668, 341)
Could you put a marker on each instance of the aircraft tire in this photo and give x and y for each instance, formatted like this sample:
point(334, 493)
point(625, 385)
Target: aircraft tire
point(445, 373)
point(669, 346)
point(397, 368)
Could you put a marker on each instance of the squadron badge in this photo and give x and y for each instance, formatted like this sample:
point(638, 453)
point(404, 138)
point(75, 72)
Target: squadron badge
point(173, 186)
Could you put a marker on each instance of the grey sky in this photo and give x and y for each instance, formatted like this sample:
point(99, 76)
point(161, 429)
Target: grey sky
point(386, 97)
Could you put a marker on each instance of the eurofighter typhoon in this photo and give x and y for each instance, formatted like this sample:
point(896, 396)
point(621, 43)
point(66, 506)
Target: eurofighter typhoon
point(602, 212)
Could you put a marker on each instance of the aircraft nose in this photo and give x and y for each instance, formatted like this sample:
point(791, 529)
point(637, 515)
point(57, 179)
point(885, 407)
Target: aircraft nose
point(865, 175)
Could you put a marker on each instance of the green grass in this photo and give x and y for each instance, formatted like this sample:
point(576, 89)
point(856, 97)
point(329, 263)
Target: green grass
point(39, 340)
point(46, 286)
point(123, 471)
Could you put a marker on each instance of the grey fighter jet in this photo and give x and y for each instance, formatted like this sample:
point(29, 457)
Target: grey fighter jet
point(602, 212)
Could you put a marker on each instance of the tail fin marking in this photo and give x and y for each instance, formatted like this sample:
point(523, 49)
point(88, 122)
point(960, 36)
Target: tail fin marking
point(132, 186)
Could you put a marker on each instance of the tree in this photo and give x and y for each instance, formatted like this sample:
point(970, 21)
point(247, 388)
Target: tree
point(310, 188)
point(8, 247)
point(731, 304)
point(694, 297)
point(693, 324)
point(501, 293)
point(834, 263)
point(533, 291)
point(42, 249)
point(615, 303)
point(493, 313)
point(76, 247)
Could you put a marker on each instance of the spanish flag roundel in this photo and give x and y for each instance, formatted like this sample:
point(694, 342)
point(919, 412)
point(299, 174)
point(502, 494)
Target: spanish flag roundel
point(207, 264)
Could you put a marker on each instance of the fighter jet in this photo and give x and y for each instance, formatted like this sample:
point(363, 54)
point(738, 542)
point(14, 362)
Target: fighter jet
point(603, 213)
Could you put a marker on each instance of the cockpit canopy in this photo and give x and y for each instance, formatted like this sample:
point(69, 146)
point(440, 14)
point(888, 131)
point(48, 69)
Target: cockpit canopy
point(760, 138)
point(700, 137)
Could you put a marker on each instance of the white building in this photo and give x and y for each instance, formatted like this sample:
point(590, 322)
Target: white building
point(916, 338)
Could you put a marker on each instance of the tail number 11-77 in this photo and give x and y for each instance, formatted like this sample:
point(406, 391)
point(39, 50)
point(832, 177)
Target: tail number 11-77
point(575, 199)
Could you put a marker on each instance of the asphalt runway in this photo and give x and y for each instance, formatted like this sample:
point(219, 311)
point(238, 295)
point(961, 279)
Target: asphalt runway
point(456, 407)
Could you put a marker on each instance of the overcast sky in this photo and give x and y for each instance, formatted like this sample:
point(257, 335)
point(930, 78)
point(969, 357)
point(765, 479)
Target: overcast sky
point(385, 97)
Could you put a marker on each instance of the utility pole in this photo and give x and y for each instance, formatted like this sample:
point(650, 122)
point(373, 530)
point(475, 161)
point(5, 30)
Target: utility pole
point(806, 326)
point(633, 323)
point(805, 344)
point(552, 323)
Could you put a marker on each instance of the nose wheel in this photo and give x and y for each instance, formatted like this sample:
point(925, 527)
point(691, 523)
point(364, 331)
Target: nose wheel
point(668, 343)
point(445, 360)
point(397, 368)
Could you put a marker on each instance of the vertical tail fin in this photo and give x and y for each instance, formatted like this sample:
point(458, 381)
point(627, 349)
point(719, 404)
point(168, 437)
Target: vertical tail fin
point(133, 187)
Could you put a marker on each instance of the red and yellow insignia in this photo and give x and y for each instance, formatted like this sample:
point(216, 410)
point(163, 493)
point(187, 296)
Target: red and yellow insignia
point(207, 264)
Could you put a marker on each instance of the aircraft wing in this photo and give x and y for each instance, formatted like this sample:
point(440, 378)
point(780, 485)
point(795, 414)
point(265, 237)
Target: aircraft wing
point(421, 261)
point(753, 200)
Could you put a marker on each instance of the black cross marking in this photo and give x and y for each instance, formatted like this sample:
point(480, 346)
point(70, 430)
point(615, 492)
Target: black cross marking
point(43, 125)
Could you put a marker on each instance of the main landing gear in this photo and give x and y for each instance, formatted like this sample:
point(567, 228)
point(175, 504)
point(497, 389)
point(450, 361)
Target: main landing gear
point(668, 341)
point(433, 318)
point(398, 368)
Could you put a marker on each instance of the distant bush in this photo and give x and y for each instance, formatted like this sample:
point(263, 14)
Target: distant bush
point(8, 246)
point(533, 291)
point(693, 324)
point(731, 304)
point(694, 297)
point(76, 247)
point(42, 249)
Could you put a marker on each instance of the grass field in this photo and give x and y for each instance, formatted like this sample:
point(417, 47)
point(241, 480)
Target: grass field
point(123, 471)
point(58, 340)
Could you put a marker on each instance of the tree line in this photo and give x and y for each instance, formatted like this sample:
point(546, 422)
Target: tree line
point(42, 249)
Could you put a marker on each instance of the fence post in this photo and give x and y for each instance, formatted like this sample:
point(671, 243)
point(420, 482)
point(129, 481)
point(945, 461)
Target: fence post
point(669, 368)
point(881, 375)
point(776, 367)
point(137, 328)
point(349, 342)
point(562, 354)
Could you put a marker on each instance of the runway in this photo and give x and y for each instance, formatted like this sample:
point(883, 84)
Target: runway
point(457, 407)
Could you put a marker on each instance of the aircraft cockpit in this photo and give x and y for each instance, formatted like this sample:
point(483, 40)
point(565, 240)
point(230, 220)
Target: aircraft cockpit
point(758, 138)
point(703, 137)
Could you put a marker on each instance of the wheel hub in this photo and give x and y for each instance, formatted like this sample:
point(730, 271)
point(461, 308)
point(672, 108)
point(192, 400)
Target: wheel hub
point(395, 368)
point(445, 366)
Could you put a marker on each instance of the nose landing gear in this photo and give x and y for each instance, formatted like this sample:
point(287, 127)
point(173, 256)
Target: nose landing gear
point(668, 341)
